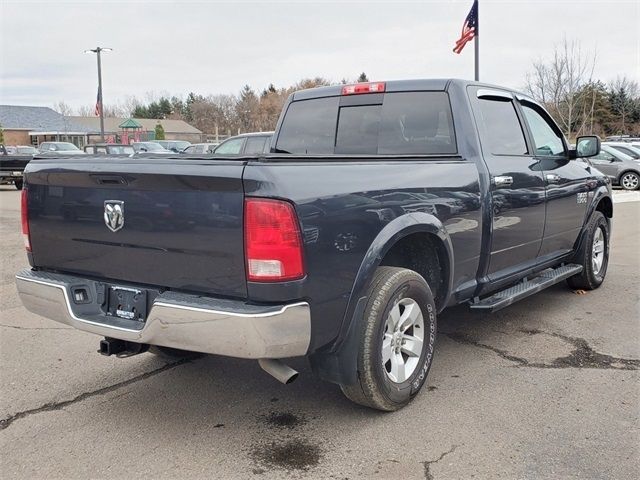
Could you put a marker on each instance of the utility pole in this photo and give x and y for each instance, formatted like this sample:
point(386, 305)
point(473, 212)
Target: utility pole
point(99, 103)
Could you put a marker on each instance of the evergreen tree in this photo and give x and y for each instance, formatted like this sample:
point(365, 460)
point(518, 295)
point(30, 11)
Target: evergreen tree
point(1, 134)
point(159, 131)
point(363, 77)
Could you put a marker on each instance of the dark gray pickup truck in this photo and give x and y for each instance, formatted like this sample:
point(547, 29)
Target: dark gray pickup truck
point(379, 205)
point(13, 163)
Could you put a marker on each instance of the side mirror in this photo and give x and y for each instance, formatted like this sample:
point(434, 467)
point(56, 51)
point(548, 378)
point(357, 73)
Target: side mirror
point(587, 146)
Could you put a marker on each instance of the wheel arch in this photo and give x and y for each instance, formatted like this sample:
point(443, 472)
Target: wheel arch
point(391, 247)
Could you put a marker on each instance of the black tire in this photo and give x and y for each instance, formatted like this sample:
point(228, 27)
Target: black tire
point(589, 279)
point(374, 388)
point(630, 181)
point(18, 184)
point(169, 353)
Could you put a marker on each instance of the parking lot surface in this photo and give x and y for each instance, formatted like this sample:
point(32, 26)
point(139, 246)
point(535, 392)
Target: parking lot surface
point(547, 388)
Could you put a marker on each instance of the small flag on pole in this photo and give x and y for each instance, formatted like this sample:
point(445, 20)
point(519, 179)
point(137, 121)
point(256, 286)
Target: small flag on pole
point(468, 28)
point(98, 108)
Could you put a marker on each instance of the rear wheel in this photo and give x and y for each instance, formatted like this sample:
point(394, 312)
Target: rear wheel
point(18, 184)
point(593, 255)
point(630, 181)
point(396, 343)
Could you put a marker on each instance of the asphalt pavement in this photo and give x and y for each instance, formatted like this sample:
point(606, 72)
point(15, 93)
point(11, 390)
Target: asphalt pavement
point(545, 389)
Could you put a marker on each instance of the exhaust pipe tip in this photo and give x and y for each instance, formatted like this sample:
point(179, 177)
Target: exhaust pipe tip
point(278, 370)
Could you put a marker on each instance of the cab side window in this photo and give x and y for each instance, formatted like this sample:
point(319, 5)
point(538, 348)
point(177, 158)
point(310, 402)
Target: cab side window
point(548, 141)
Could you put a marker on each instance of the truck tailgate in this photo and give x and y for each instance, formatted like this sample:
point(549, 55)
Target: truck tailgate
point(182, 225)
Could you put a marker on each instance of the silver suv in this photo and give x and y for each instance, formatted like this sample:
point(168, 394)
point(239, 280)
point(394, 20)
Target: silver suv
point(619, 167)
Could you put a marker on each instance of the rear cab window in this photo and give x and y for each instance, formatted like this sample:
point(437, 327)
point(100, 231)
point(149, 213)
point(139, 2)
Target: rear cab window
point(391, 123)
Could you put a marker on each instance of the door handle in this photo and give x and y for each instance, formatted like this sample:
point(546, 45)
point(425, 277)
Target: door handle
point(552, 178)
point(502, 181)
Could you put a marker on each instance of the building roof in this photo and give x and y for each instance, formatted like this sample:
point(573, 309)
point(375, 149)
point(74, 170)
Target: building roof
point(112, 124)
point(37, 119)
point(130, 123)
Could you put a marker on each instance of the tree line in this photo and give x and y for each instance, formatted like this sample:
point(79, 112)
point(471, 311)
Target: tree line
point(580, 103)
point(226, 114)
point(564, 83)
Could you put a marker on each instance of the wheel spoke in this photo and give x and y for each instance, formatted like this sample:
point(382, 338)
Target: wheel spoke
point(409, 316)
point(397, 368)
point(394, 318)
point(412, 346)
point(386, 348)
point(598, 247)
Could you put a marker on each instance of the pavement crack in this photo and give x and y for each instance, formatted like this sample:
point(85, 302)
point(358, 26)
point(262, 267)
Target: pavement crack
point(466, 339)
point(47, 407)
point(34, 328)
point(582, 356)
point(427, 464)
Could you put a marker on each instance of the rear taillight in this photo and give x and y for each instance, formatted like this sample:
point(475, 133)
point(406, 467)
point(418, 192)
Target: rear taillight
point(24, 216)
point(371, 87)
point(272, 241)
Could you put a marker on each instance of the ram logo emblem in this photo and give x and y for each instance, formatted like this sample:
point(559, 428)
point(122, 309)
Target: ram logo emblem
point(114, 214)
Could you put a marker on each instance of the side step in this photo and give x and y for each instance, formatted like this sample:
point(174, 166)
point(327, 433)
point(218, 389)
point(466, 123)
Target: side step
point(525, 288)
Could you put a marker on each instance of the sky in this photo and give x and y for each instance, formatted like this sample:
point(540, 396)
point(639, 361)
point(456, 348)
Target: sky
point(214, 47)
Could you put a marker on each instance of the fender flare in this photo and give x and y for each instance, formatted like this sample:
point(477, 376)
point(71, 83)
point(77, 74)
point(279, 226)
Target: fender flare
point(601, 192)
point(339, 363)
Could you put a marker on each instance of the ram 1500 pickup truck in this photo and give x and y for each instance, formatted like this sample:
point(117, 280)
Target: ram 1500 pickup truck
point(379, 205)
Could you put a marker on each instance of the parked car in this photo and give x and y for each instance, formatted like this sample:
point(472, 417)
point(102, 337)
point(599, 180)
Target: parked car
point(626, 148)
point(150, 147)
point(343, 245)
point(245, 144)
point(13, 161)
point(619, 167)
point(21, 150)
point(198, 148)
point(175, 146)
point(109, 149)
point(59, 148)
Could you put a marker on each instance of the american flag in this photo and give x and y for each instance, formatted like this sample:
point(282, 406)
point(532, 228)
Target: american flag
point(98, 108)
point(469, 29)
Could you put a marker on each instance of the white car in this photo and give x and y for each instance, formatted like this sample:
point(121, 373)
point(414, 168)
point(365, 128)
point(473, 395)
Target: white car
point(61, 148)
point(197, 148)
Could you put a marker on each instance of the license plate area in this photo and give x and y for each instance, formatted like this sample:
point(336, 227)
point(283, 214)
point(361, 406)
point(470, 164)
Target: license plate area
point(127, 303)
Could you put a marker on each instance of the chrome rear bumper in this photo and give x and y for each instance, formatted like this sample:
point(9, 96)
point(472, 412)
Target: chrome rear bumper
point(186, 322)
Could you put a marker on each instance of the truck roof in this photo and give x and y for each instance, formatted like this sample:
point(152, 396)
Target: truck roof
point(433, 84)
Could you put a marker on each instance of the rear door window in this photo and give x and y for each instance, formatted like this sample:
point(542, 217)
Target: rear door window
point(504, 134)
point(399, 123)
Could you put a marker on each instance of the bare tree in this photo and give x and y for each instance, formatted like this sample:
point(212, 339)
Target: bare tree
point(63, 108)
point(559, 84)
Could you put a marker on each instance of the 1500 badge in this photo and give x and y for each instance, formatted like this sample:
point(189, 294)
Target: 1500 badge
point(582, 197)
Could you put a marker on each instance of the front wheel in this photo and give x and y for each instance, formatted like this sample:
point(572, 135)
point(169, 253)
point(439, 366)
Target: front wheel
point(630, 181)
point(593, 255)
point(396, 342)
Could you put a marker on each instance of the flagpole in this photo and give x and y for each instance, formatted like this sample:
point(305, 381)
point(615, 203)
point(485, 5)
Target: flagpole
point(476, 39)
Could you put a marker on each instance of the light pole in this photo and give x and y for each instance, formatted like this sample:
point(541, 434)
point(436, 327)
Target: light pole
point(97, 51)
